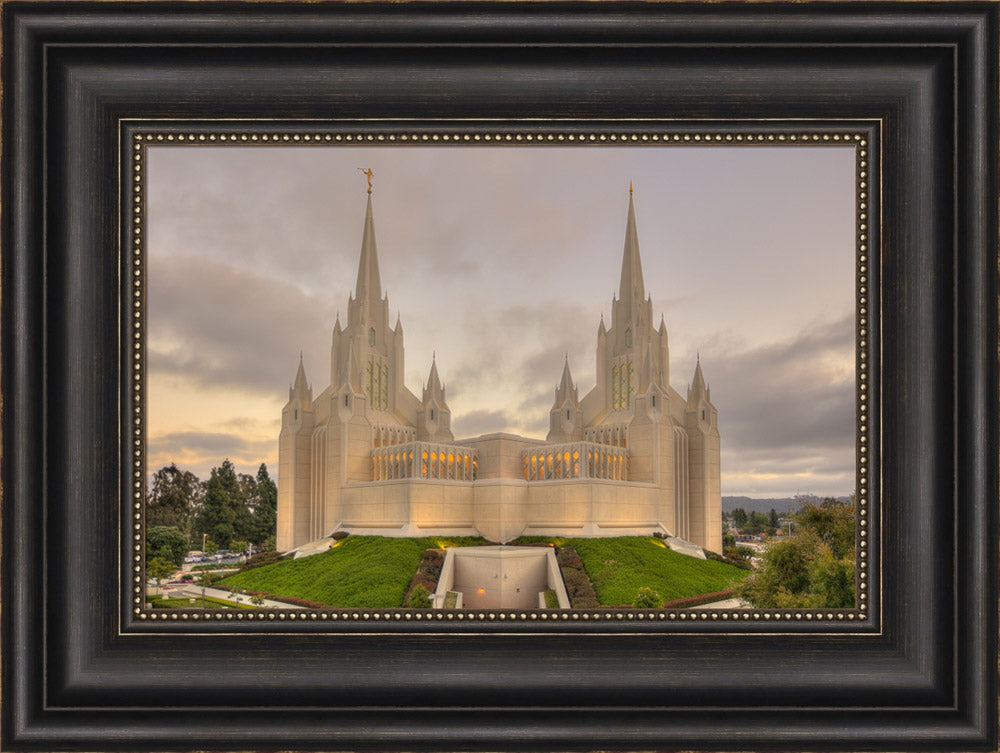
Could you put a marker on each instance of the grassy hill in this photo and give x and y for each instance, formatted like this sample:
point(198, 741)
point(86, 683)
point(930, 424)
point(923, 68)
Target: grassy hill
point(619, 566)
point(359, 571)
point(375, 571)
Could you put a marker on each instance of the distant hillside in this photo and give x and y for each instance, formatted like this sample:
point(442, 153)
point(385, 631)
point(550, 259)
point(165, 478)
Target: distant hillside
point(764, 504)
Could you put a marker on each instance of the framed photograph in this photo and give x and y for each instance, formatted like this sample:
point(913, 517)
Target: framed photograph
point(479, 356)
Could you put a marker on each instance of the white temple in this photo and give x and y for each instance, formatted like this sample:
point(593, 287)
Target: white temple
point(631, 457)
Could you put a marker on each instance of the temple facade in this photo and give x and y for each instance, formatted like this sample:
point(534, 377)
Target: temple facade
point(631, 457)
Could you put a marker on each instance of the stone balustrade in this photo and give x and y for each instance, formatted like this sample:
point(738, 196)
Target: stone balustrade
point(575, 460)
point(425, 460)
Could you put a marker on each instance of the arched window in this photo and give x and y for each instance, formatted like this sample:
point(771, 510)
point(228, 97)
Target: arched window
point(628, 338)
point(371, 337)
point(432, 414)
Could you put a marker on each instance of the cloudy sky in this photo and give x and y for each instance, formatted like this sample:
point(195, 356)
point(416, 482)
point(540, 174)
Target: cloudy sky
point(502, 260)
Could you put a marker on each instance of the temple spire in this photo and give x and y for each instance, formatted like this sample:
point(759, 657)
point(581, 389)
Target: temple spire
point(301, 385)
point(369, 287)
point(631, 287)
point(566, 388)
point(434, 388)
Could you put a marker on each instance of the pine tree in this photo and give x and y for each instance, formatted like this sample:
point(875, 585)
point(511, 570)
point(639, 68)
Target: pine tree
point(264, 508)
point(224, 505)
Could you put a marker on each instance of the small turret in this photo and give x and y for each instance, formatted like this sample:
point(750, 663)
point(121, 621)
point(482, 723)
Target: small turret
point(298, 411)
point(566, 416)
point(434, 415)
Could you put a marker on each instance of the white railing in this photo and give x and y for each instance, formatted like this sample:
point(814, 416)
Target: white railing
point(425, 460)
point(575, 460)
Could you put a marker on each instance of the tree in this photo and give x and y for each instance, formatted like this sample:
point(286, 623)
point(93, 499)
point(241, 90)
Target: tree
point(263, 507)
point(814, 568)
point(756, 523)
point(223, 509)
point(238, 546)
point(739, 518)
point(167, 542)
point(173, 498)
point(159, 568)
point(772, 519)
point(833, 521)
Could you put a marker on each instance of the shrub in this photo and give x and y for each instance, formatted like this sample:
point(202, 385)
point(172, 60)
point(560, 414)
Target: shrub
point(647, 598)
point(733, 555)
point(578, 585)
point(260, 559)
point(450, 599)
point(340, 535)
point(419, 598)
point(551, 600)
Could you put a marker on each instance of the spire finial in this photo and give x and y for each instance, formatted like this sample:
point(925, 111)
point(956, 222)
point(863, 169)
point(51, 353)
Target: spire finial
point(368, 173)
point(630, 188)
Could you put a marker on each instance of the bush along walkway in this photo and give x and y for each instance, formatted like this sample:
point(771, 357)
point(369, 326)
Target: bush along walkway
point(578, 585)
point(428, 573)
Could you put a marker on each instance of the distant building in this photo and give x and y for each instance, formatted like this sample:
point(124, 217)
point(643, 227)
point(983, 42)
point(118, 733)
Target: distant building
point(366, 455)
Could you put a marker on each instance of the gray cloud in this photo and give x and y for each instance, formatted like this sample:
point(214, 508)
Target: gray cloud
point(786, 409)
point(221, 325)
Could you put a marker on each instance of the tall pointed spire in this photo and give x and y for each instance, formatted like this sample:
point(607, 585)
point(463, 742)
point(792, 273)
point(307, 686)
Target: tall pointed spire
point(369, 287)
point(698, 387)
point(434, 389)
point(631, 287)
point(301, 384)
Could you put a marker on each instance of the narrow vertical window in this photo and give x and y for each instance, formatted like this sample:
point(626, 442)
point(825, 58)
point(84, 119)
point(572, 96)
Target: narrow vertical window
point(371, 337)
point(628, 338)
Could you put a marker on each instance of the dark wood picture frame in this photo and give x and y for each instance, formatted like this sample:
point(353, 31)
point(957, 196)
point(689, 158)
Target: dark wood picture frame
point(917, 672)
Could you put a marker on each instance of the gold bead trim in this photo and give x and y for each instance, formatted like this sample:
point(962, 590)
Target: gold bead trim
point(169, 134)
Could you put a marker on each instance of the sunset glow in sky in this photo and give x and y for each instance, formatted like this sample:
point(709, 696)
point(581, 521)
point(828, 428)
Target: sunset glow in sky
point(502, 260)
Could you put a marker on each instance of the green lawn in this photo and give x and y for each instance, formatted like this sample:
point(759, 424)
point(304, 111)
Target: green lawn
point(619, 566)
point(360, 571)
point(185, 603)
